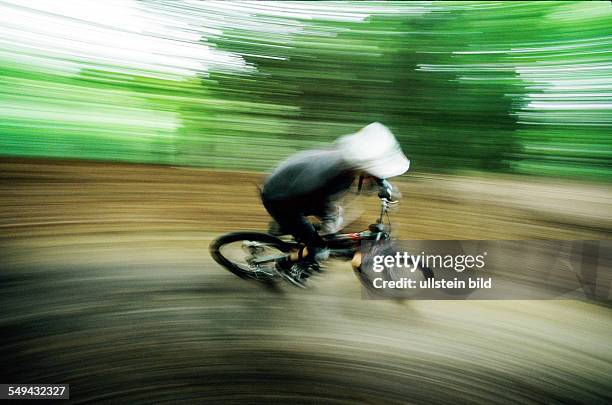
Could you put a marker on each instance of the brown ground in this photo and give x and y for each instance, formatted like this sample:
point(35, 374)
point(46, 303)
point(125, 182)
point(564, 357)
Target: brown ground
point(106, 284)
point(53, 197)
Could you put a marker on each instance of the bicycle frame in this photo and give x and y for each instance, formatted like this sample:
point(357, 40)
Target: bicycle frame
point(347, 244)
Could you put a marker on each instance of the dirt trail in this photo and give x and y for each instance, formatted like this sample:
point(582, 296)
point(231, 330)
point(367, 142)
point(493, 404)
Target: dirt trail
point(106, 284)
point(45, 197)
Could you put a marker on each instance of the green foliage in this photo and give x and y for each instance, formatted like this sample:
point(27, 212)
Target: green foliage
point(494, 86)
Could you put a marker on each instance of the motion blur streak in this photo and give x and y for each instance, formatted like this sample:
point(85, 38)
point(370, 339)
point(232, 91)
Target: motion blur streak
point(507, 86)
point(107, 285)
point(134, 132)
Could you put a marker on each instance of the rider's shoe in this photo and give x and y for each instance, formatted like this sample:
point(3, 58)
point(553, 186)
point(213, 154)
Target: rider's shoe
point(319, 256)
point(317, 267)
point(295, 273)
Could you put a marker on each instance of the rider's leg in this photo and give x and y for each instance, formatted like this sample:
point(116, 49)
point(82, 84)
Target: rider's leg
point(294, 221)
point(331, 216)
point(303, 230)
point(299, 254)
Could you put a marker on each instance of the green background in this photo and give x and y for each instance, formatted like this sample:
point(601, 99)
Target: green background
point(518, 87)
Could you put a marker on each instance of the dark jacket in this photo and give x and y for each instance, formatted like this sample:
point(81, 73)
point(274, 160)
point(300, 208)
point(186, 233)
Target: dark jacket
point(309, 179)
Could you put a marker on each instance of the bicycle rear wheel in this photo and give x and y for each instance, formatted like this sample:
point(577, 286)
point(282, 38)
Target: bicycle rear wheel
point(249, 254)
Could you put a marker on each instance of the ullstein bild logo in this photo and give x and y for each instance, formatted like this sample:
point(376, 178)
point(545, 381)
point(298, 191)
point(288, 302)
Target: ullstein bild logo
point(487, 269)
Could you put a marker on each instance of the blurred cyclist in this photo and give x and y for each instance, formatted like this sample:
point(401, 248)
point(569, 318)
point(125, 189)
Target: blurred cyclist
point(309, 183)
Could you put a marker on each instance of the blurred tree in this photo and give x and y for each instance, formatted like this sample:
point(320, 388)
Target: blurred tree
point(519, 87)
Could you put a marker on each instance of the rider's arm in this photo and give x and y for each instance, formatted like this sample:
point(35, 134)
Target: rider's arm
point(385, 189)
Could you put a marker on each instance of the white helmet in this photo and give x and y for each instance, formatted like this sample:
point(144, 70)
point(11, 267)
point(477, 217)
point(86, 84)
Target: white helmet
point(374, 150)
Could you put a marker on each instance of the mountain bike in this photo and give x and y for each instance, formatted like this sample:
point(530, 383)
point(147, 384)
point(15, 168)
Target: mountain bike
point(252, 255)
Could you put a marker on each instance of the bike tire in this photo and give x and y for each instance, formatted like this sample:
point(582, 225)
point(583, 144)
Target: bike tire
point(427, 272)
point(217, 244)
